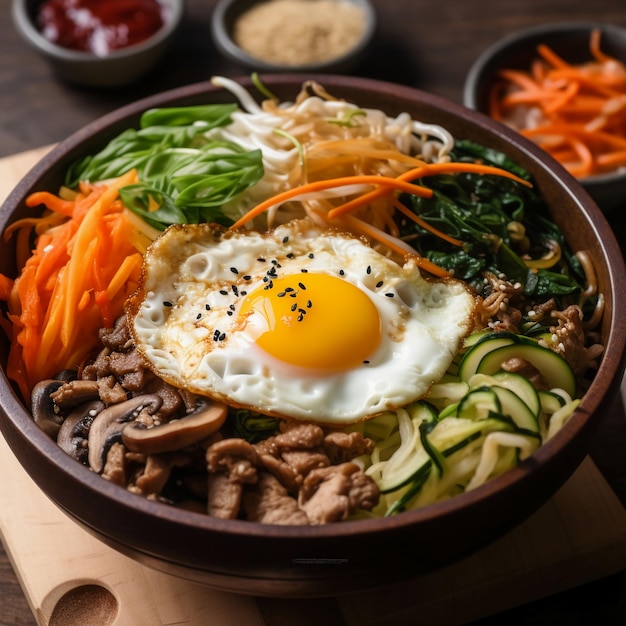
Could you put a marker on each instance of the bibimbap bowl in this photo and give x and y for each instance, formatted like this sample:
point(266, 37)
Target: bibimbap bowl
point(328, 559)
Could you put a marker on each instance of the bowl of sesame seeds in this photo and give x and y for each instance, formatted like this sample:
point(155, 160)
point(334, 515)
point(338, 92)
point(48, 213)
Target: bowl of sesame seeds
point(294, 35)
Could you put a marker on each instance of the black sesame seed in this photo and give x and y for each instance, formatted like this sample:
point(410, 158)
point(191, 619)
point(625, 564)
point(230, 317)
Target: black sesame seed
point(235, 290)
point(293, 295)
point(389, 295)
point(207, 307)
point(366, 362)
point(281, 294)
point(369, 269)
point(222, 337)
point(300, 317)
point(302, 286)
point(304, 271)
point(247, 277)
point(379, 284)
point(302, 311)
point(289, 289)
point(294, 306)
point(229, 312)
point(261, 259)
point(231, 307)
point(198, 316)
point(224, 292)
point(285, 239)
point(309, 304)
point(290, 255)
point(341, 272)
point(243, 293)
point(166, 303)
point(311, 255)
point(216, 335)
point(234, 270)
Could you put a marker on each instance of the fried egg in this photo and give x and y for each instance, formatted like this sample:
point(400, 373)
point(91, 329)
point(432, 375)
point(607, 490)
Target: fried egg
point(299, 322)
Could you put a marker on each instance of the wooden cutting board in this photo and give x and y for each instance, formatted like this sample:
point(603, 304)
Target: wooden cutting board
point(70, 578)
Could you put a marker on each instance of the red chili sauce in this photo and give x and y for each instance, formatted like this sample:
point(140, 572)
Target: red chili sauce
point(99, 26)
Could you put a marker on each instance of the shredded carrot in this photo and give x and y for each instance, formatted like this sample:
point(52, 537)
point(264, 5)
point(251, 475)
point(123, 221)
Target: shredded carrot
point(430, 169)
point(425, 225)
point(594, 47)
point(75, 281)
point(333, 183)
point(395, 245)
point(6, 285)
point(551, 57)
point(575, 112)
point(384, 187)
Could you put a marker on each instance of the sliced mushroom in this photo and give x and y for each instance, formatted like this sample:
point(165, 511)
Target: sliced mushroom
point(107, 427)
point(207, 419)
point(72, 437)
point(44, 409)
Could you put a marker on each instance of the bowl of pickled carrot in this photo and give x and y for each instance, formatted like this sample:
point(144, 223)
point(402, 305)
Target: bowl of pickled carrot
point(563, 86)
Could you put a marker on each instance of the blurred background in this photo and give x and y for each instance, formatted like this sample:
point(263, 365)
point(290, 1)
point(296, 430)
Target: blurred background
point(428, 45)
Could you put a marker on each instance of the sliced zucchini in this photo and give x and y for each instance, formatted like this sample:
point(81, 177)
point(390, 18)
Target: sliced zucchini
point(520, 386)
point(550, 402)
point(380, 427)
point(552, 366)
point(448, 411)
point(472, 358)
point(515, 408)
point(478, 403)
point(473, 338)
point(402, 466)
point(448, 437)
point(442, 394)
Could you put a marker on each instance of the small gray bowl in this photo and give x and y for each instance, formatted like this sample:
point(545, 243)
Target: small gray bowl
point(120, 67)
point(571, 41)
point(227, 12)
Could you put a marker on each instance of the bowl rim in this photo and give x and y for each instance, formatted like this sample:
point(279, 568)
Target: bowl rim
point(226, 45)
point(517, 38)
point(607, 379)
point(33, 36)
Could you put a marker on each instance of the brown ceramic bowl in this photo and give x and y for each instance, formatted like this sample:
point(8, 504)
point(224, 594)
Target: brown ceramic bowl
point(570, 40)
point(119, 67)
point(327, 560)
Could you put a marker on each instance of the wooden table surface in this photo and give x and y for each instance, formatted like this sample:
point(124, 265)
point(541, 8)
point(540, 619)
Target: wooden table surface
point(428, 45)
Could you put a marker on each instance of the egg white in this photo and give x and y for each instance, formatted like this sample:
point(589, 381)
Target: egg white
point(184, 319)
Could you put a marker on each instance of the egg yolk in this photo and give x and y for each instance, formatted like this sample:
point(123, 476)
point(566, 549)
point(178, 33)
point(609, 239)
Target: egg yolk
point(314, 321)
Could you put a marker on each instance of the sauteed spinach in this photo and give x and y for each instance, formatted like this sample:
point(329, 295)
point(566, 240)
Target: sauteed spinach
point(499, 220)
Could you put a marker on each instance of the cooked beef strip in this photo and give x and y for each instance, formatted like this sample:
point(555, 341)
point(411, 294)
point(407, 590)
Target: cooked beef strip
point(224, 496)
point(341, 447)
point(270, 503)
point(302, 477)
point(332, 494)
